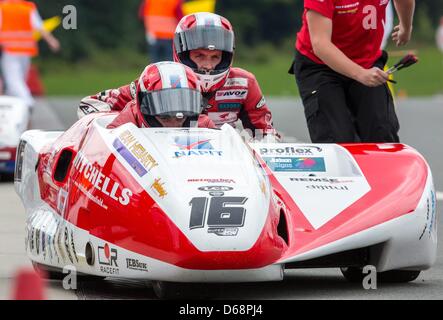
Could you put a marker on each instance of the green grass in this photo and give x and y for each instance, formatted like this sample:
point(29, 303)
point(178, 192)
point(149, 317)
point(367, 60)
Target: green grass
point(111, 71)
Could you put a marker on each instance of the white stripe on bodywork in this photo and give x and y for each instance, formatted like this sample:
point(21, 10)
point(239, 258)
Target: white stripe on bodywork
point(439, 196)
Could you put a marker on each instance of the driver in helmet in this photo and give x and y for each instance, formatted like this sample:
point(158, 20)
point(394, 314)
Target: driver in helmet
point(205, 42)
point(167, 95)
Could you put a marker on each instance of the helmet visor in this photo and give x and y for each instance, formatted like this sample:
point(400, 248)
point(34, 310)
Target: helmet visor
point(171, 102)
point(204, 37)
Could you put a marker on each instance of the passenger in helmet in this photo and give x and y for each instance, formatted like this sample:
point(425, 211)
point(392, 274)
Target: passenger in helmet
point(206, 43)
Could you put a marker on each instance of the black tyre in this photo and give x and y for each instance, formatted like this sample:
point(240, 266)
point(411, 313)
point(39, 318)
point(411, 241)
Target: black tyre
point(176, 291)
point(355, 275)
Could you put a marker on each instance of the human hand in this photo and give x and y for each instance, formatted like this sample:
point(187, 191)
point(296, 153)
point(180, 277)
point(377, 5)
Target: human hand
point(401, 36)
point(373, 77)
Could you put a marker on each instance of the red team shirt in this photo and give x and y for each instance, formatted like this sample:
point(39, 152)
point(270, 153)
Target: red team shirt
point(358, 28)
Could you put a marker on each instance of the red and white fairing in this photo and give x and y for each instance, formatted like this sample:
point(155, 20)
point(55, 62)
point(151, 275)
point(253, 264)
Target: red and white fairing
point(201, 205)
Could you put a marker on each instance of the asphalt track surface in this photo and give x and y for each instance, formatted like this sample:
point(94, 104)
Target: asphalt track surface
point(421, 127)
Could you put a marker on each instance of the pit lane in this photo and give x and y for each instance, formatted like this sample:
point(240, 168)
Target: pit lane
point(421, 128)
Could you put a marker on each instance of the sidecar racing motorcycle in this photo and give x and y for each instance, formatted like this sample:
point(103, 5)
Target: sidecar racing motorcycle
point(182, 206)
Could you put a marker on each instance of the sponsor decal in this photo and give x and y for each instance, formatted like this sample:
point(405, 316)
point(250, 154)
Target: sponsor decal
point(231, 95)
point(215, 188)
point(134, 264)
point(220, 118)
point(236, 82)
point(193, 146)
point(49, 242)
point(37, 240)
point(384, 2)
point(349, 11)
point(433, 211)
point(291, 151)
point(208, 180)
point(159, 187)
point(351, 5)
point(261, 103)
point(224, 232)
point(134, 153)
point(348, 8)
point(427, 219)
point(100, 182)
point(430, 216)
point(229, 106)
point(280, 164)
point(66, 242)
point(59, 242)
point(175, 81)
point(107, 259)
point(43, 237)
point(31, 239)
point(216, 191)
point(328, 187)
point(74, 252)
point(87, 108)
point(323, 180)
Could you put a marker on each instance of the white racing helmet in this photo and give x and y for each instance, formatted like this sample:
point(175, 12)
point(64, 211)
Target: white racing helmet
point(205, 31)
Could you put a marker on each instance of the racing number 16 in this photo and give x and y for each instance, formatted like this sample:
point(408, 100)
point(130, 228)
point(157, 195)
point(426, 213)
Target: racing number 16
point(218, 214)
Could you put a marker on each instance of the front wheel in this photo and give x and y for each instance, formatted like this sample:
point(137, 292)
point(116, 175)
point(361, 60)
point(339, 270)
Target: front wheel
point(356, 275)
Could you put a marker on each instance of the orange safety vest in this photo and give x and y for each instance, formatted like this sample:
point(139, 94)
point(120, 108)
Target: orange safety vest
point(16, 30)
point(160, 18)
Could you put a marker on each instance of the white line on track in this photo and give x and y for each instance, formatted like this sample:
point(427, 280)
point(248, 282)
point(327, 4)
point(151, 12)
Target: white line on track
point(439, 195)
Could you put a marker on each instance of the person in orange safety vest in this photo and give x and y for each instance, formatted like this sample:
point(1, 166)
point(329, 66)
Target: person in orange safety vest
point(160, 19)
point(18, 21)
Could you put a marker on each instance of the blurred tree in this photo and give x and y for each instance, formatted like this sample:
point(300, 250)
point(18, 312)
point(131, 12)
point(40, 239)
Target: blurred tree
point(105, 25)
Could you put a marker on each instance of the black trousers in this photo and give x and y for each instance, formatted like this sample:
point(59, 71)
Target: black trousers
point(339, 109)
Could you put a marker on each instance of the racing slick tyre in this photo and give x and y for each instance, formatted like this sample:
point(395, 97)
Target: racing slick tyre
point(177, 291)
point(52, 273)
point(355, 275)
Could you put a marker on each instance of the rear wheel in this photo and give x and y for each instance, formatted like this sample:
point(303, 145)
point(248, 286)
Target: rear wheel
point(355, 275)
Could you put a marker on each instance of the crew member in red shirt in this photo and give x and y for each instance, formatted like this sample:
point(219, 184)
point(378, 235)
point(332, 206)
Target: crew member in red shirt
point(339, 69)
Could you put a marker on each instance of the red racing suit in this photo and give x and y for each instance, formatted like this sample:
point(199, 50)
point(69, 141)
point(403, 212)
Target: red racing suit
point(239, 98)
